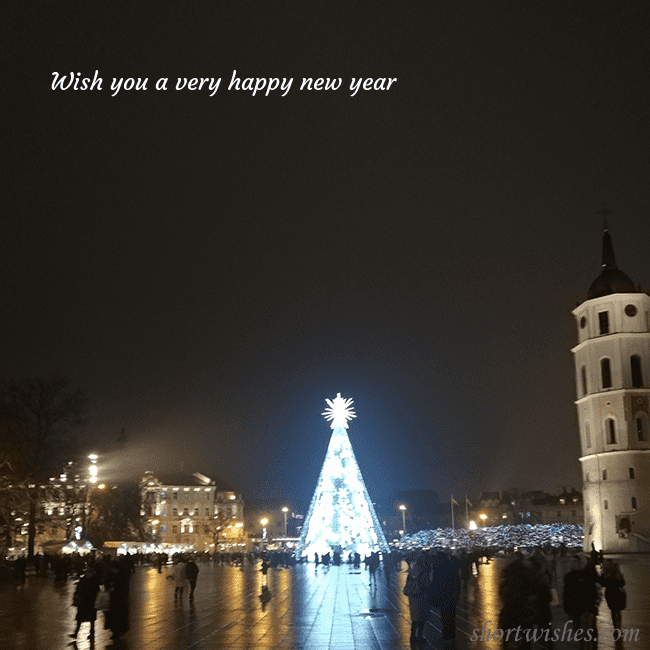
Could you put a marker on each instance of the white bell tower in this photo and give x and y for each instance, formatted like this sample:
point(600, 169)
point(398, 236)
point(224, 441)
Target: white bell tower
point(612, 361)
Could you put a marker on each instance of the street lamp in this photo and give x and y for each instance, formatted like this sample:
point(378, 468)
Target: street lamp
point(483, 518)
point(93, 467)
point(264, 522)
point(285, 510)
point(92, 470)
point(403, 509)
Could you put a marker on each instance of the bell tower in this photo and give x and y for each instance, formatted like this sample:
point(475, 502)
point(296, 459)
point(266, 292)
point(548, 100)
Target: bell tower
point(612, 363)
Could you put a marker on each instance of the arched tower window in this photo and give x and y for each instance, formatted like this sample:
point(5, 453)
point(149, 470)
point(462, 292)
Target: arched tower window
point(610, 430)
point(637, 372)
point(633, 503)
point(606, 373)
point(587, 435)
point(583, 376)
point(640, 428)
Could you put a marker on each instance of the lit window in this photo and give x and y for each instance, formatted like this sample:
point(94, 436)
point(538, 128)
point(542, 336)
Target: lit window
point(606, 373)
point(637, 373)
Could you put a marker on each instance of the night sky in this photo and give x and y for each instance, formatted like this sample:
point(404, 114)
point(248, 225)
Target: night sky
point(210, 269)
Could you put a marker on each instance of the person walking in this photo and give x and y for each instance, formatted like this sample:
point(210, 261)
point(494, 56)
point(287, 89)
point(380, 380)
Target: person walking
point(179, 576)
point(581, 598)
point(445, 592)
point(615, 594)
point(118, 581)
point(192, 572)
point(417, 589)
point(84, 601)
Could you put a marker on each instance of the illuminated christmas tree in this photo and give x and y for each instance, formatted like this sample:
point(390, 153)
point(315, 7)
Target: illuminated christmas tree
point(341, 516)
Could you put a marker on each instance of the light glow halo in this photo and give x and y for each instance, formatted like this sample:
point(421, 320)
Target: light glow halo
point(339, 411)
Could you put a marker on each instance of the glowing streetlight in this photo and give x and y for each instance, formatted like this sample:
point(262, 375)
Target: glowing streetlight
point(403, 509)
point(285, 510)
point(483, 517)
point(264, 522)
point(472, 525)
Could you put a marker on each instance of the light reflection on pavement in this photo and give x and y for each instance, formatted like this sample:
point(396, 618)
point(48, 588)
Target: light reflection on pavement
point(309, 608)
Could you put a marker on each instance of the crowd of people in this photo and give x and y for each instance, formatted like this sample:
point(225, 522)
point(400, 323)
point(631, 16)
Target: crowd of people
point(434, 580)
point(104, 585)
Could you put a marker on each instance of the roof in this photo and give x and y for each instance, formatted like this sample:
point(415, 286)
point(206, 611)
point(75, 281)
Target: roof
point(611, 279)
point(191, 480)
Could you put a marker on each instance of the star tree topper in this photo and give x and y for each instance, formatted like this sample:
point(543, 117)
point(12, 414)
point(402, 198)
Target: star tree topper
point(339, 410)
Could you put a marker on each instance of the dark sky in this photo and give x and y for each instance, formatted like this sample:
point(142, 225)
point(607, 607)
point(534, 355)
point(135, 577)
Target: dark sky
point(210, 269)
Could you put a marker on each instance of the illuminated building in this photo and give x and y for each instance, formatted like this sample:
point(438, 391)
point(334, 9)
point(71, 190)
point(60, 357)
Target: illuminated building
point(341, 517)
point(612, 364)
point(191, 512)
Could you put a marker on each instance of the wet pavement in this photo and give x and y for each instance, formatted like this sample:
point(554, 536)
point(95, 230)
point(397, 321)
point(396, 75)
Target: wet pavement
point(309, 609)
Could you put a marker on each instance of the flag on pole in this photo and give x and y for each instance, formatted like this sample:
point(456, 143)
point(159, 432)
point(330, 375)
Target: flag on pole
point(468, 502)
point(454, 501)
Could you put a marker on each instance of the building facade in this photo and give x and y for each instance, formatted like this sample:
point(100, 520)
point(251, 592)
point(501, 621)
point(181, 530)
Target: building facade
point(612, 369)
point(191, 513)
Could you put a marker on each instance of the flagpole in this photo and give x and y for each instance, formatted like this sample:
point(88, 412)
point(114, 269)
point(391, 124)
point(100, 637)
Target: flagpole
point(466, 512)
point(452, 513)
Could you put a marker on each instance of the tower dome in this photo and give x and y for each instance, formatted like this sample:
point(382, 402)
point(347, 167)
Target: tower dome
point(611, 279)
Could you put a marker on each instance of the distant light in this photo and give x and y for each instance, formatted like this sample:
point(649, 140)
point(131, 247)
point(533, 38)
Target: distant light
point(101, 486)
point(402, 507)
point(472, 525)
point(92, 456)
point(285, 509)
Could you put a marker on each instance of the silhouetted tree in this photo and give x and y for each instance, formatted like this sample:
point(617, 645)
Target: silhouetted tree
point(218, 528)
point(115, 515)
point(36, 420)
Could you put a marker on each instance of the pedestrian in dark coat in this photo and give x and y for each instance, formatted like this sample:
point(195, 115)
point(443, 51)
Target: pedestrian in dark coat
point(118, 583)
point(581, 598)
point(84, 601)
point(615, 595)
point(417, 588)
point(445, 591)
point(192, 572)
